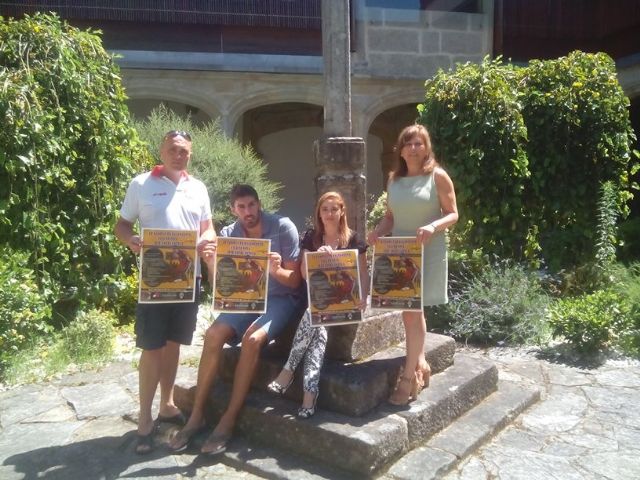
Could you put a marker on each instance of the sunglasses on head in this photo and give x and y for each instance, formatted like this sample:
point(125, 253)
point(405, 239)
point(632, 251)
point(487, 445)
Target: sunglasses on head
point(177, 133)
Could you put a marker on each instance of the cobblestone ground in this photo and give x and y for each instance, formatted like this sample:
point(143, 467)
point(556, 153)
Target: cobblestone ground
point(79, 426)
point(586, 426)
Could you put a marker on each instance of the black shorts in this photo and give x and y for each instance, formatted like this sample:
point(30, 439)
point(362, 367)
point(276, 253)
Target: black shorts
point(157, 323)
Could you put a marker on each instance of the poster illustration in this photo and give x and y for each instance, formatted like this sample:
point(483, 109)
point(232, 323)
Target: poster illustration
point(167, 266)
point(242, 275)
point(333, 285)
point(396, 282)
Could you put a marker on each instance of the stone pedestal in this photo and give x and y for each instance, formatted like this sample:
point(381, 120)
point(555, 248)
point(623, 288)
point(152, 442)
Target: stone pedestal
point(340, 163)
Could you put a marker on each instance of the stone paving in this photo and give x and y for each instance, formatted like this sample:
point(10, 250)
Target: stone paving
point(80, 426)
point(586, 426)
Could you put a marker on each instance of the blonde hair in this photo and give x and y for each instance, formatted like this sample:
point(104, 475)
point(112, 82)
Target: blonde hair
point(400, 164)
point(344, 232)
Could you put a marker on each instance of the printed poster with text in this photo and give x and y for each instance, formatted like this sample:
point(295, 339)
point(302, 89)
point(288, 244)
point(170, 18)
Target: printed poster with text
point(333, 285)
point(396, 276)
point(167, 266)
point(242, 275)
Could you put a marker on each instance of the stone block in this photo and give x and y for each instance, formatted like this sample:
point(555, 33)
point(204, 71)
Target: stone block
point(349, 343)
point(462, 43)
point(393, 40)
point(467, 382)
point(340, 153)
point(430, 42)
point(408, 66)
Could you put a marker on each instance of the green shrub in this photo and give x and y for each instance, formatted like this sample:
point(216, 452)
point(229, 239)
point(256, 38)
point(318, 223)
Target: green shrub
point(475, 119)
point(577, 118)
point(590, 322)
point(117, 294)
point(377, 211)
point(24, 311)
point(218, 161)
point(626, 283)
point(502, 303)
point(89, 337)
point(513, 137)
point(66, 151)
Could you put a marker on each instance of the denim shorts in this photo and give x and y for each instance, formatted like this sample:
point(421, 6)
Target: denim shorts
point(281, 309)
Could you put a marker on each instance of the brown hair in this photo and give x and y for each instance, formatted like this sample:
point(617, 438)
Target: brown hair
point(344, 232)
point(400, 165)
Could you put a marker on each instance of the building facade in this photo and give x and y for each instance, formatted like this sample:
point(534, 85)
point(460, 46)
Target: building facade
point(257, 66)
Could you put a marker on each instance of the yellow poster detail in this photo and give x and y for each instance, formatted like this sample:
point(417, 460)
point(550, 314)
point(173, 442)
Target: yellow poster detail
point(333, 284)
point(242, 275)
point(168, 260)
point(396, 277)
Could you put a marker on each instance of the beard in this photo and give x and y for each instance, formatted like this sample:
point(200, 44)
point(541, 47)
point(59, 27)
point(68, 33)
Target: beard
point(250, 221)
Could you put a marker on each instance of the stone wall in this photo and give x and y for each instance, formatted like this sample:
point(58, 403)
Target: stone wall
point(415, 44)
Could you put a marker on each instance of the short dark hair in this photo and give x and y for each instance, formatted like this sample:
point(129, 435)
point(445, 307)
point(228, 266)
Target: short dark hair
point(240, 190)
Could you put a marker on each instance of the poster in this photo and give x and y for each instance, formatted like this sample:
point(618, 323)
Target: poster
point(167, 266)
point(396, 282)
point(333, 286)
point(242, 275)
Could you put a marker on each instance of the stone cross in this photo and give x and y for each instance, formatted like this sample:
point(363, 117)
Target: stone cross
point(340, 158)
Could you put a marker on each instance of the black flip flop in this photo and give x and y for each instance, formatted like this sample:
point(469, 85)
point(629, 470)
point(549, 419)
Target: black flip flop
point(144, 443)
point(178, 419)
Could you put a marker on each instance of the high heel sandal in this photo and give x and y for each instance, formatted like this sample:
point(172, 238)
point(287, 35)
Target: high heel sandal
point(406, 390)
point(278, 389)
point(423, 375)
point(304, 412)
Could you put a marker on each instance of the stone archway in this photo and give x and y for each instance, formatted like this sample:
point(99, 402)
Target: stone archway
point(383, 133)
point(283, 134)
point(140, 108)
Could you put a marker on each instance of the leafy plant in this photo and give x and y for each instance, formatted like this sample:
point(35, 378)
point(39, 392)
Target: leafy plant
point(500, 303)
point(377, 211)
point(527, 147)
point(478, 132)
point(218, 161)
point(89, 337)
point(590, 322)
point(626, 283)
point(580, 137)
point(66, 151)
point(24, 311)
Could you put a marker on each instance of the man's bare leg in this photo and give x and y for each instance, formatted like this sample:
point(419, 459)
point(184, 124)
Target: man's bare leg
point(215, 337)
point(169, 369)
point(252, 342)
point(148, 378)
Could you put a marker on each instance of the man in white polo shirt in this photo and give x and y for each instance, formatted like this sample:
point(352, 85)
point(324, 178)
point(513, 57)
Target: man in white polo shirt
point(165, 197)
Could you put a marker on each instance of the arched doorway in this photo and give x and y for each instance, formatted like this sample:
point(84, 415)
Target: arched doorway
point(383, 133)
point(283, 135)
point(140, 108)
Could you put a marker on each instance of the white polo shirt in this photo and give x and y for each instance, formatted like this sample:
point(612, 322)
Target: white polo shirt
point(156, 202)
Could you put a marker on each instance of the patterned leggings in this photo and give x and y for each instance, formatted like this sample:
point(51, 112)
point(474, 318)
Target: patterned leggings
point(309, 343)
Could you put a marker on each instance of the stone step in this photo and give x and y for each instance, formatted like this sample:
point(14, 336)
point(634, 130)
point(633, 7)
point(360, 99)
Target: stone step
point(373, 440)
point(348, 388)
point(432, 460)
point(441, 453)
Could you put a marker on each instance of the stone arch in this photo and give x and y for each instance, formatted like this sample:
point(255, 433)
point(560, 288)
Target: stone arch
point(283, 134)
point(237, 109)
point(381, 137)
point(191, 98)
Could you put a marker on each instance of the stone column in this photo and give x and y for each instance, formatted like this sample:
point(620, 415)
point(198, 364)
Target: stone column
point(337, 68)
point(340, 158)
